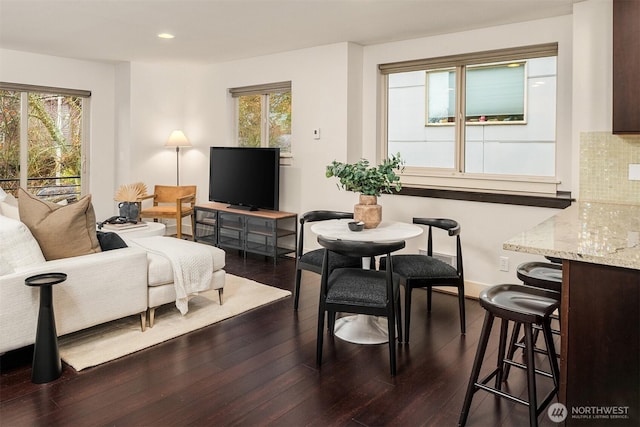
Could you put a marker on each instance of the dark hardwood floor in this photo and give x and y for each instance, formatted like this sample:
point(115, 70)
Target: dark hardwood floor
point(259, 369)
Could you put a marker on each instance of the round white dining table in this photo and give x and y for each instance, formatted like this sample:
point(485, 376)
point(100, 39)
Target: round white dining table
point(362, 328)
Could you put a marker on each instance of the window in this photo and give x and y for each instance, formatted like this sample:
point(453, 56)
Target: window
point(263, 115)
point(505, 137)
point(44, 153)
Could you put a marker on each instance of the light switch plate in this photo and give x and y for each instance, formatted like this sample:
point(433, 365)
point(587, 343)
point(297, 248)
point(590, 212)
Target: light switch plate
point(634, 172)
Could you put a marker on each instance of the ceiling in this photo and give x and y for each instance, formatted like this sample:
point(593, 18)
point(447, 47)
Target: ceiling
point(209, 31)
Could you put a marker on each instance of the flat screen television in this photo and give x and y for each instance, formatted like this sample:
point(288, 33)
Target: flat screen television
point(245, 178)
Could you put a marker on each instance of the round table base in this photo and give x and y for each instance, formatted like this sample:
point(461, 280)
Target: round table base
point(47, 365)
point(362, 329)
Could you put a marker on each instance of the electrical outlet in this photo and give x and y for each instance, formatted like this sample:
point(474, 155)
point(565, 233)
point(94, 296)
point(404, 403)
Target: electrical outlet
point(504, 263)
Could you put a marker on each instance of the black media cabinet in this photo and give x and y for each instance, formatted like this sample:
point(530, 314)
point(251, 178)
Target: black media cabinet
point(269, 233)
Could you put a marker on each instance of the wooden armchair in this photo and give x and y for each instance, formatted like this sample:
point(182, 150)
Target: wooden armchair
point(173, 202)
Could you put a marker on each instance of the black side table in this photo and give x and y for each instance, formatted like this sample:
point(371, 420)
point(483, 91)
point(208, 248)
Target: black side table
point(47, 365)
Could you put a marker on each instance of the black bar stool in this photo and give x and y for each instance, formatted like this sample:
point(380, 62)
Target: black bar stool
point(527, 306)
point(543, 275)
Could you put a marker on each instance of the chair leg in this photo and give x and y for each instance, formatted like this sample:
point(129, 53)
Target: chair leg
point(463, 320)
point(551, 353)
point(429, 294)
point(220, 295)
point(531, 375)
point(399, 318)
point(504, 327)
point(179, 228)
point(477, 365)
point(407, 312)
point(391, 321)
point(512, 348)
point(331, 322)
point(193, 227)
point(296, 291)
point(320, 335)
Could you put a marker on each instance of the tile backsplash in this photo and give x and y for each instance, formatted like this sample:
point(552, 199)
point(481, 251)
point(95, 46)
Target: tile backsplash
point(604, 168)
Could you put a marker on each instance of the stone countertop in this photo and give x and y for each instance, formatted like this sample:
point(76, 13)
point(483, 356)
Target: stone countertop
point(599, 233)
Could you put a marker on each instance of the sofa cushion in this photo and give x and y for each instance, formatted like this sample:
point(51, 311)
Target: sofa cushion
point(161, 272)
point(18, 248)
point(61, 231)
point(8, 205)
point(5, 268)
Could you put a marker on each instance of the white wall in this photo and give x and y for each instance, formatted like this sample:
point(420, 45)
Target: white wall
point(161, 100)
point(593, 71)
point(99, 78)
point(196, 99)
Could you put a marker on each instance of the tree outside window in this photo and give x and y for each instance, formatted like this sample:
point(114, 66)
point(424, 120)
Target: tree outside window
point(264, 116)
point(54, 143)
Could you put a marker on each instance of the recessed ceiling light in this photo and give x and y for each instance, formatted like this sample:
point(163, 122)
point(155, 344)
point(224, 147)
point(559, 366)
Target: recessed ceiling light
point(166, 36)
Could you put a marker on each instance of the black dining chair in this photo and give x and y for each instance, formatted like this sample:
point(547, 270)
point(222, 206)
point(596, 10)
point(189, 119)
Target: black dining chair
point(312, 260)
point(426, 271)
point(359, 291)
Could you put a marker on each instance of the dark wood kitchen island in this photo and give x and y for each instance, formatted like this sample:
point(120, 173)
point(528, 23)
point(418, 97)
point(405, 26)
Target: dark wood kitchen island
point(599, 244)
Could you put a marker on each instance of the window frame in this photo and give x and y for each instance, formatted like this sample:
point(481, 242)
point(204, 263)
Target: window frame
point(455, 179)
point(265, 91)
point(85, 95)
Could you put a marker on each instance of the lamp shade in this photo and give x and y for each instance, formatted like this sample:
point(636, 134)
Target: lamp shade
point(177, 139)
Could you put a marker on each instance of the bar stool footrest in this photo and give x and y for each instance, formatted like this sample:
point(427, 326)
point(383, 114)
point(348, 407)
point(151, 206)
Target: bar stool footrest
point(524, 367)
point(539, 350)
point(513, 398)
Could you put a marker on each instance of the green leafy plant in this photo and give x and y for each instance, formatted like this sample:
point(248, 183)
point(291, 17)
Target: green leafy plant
point(368, 180)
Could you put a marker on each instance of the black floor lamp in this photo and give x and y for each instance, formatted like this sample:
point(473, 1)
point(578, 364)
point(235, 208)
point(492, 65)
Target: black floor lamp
point(177, 139)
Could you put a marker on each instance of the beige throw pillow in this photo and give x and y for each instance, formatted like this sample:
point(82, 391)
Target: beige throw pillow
point(61, 231)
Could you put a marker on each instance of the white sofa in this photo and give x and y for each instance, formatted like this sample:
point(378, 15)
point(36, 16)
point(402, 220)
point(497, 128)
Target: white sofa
point(100, 287)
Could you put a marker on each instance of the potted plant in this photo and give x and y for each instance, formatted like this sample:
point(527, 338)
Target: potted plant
point(370, 182)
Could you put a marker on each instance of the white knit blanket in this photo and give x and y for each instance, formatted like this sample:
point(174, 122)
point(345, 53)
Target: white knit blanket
point(192, 266)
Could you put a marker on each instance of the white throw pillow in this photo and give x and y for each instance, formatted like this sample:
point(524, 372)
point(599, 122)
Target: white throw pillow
point(18, 248)
point(9, 205)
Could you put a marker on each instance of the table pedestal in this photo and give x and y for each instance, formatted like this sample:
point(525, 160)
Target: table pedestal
point(362, 329)
point(47, 365)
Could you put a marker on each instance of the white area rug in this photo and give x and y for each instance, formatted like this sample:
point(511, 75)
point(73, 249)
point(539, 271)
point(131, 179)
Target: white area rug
point(112, 340)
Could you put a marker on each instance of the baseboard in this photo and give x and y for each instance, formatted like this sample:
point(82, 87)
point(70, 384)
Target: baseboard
point(471, 289)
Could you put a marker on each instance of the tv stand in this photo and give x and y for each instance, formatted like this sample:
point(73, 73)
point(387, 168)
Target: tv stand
point(269, 233)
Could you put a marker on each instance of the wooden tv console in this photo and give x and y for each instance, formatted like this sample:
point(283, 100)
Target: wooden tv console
point(269, 233)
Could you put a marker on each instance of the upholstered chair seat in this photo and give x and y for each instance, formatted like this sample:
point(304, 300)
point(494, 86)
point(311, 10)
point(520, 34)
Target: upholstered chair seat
point(312, 260)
